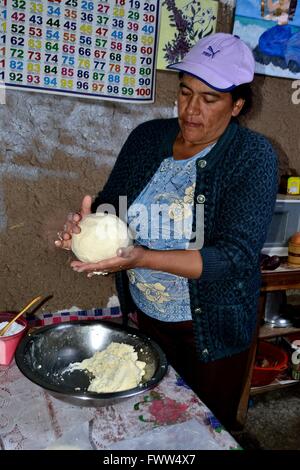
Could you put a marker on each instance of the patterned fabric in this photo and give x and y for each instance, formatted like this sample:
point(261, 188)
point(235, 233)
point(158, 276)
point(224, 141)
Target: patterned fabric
point(238, 186)
point(170, 192)
point(48, 318)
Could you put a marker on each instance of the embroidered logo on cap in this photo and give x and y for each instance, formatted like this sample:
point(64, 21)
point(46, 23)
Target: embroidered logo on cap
point(210, 52)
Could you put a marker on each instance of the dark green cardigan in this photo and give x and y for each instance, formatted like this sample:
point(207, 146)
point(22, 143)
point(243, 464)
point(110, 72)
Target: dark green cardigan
point(237, 182)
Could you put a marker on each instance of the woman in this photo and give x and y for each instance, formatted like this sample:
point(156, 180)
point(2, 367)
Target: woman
point(197, 299)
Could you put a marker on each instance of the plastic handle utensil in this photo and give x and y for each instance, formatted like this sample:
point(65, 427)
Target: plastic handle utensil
point(4, 330)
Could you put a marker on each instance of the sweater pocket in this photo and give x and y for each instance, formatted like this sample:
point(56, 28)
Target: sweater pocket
point(231, 327)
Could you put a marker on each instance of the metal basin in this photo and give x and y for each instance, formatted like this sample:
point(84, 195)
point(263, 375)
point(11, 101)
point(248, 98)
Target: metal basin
point(44, 355)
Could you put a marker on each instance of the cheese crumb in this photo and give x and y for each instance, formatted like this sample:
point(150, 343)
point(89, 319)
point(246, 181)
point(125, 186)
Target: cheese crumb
point(115, 369)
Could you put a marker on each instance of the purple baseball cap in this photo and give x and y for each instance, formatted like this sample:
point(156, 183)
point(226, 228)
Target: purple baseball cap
point(222, 61)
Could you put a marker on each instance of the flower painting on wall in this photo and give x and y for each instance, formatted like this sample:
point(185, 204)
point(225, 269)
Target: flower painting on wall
point(272, 29)
point(182, 24)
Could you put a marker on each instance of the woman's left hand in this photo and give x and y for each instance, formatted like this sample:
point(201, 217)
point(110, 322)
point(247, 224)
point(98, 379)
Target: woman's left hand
point(127, 258)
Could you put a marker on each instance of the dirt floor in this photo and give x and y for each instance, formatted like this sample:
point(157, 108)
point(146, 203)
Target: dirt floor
point(273, 421)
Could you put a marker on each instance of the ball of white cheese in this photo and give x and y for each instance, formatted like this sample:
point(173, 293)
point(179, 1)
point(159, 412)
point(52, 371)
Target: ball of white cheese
point(100, 237)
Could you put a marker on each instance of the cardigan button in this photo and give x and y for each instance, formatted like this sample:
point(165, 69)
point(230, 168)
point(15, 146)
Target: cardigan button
point(202, 163)
point(197, 310)
point(201, 198)
point(205, 352)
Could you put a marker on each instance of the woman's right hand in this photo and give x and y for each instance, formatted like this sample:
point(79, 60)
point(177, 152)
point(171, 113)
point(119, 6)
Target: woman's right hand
point(71, 226)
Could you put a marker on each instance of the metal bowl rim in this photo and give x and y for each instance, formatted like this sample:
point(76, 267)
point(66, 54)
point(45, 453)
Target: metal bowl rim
point(157, 377)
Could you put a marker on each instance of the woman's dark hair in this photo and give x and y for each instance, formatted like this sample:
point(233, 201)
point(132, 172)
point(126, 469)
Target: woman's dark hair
point(243, 91)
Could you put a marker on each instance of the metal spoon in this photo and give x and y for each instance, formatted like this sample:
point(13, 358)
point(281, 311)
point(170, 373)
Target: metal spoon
point(4, 330)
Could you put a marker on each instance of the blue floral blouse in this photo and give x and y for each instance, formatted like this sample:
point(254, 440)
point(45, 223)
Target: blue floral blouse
point(161, 219)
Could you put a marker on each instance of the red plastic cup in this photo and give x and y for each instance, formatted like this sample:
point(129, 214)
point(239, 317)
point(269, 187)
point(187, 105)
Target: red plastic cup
point(8, 344)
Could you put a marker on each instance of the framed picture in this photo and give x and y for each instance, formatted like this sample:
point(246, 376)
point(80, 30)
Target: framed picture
point(272, 30)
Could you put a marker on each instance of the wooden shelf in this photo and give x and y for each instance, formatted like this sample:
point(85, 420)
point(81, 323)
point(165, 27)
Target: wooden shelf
point(273, 386)
point(281, 279)
point(267, 331)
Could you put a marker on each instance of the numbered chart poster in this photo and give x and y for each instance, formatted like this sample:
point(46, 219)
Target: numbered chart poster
point(99, 49)
point(3, 13)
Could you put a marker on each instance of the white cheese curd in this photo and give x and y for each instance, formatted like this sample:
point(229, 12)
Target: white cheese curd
point(115, 369)
point(13, 329)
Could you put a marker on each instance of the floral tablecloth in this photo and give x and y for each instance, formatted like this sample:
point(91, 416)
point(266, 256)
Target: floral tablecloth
point(30, 418)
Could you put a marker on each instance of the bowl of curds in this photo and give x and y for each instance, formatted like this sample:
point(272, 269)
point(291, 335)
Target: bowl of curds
point(91, 363)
